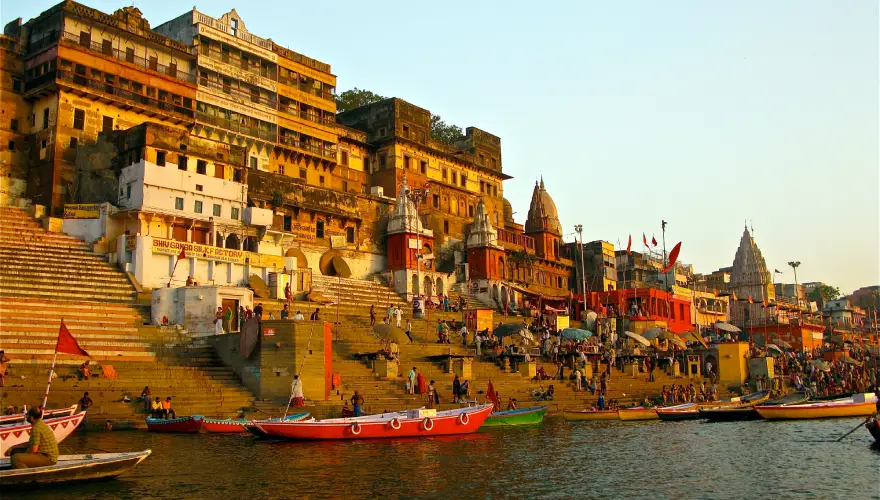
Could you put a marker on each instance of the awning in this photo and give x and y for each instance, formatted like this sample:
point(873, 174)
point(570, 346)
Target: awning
point(726, 327)
point(638, 338)
point(340, 267)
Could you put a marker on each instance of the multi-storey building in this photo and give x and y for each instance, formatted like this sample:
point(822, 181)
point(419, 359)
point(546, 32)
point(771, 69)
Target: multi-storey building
point(599, 266)
point(14, 113)
point(86, 72)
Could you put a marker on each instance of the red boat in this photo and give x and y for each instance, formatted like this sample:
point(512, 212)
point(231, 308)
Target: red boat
point(18, 418)
point(229, 426)
point(182, 424)
point(416, 423)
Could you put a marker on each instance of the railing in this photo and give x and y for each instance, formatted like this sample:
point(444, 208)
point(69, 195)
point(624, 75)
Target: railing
point(236, 63)
point(106, 88)
point(94, 46)
point(307, 88)
point(237, 127)
point(516, 239)
point(328, 119)
point(239, 93)
point(40, 80)
point(329, 153)
point(47, 41)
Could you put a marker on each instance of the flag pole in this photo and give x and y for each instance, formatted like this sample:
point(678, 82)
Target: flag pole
point(52, 370)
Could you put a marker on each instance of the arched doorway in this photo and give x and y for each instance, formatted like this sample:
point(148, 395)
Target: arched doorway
point(504, 297)
point(439, 286)
point(501, 269)
point(251, 244)
point(415, 284)
point(332, 264)
point(495, 292)
point(233, 242)
point(428, 286)
point(301, 261)
point(218, 240)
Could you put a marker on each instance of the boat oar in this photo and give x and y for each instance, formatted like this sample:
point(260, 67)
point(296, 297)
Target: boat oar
point(850, 432)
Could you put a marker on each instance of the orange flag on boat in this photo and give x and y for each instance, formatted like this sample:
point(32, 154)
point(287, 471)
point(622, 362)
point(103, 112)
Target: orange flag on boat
point(67, 344)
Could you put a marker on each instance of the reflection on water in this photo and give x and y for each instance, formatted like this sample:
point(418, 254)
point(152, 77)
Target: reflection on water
point(555, 460)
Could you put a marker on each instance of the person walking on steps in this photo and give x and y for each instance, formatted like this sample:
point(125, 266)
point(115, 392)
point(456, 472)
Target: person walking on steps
point(408, 330)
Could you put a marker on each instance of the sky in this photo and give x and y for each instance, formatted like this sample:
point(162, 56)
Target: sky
point(703, 114)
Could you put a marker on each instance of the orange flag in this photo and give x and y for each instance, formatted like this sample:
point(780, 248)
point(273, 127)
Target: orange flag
point(182, 254)
point(734, 297)
point(750, 300)
point(67, 344)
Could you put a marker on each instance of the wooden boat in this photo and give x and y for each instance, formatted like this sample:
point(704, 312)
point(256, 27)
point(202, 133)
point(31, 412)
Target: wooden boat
point(874, 428)
point(686, 411)
point(589, 414)
point(414, 424)
point(14, 435)
point(521, 416)
point(849, 407)
point(181, 424)
point(230, 426)
point(256, 431)
point(70, 469)
point(741, 413)
point(47, 414)
point(637, 413)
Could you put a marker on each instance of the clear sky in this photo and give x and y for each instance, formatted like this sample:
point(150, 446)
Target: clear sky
point(705, 114)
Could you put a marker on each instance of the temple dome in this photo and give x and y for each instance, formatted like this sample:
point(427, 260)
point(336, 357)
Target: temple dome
point(508, 211)
point(543, 216)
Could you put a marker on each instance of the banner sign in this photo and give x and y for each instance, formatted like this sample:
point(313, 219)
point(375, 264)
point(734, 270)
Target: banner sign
point(207, 252)
point(82, 211)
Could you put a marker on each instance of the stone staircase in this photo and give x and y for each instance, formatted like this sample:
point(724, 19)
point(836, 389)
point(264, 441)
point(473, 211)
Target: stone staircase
point(357, 292)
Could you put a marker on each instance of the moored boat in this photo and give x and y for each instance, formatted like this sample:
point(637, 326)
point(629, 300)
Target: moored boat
point(230, 426)
point(47, 414)
point(849, 407)
point(744, 412)
point(71, 469)
point(686, 411)
point(520, 416)
point(416, 423)
point(589, 414)
point(637, 413)
point(181, 424)
point(14, 435)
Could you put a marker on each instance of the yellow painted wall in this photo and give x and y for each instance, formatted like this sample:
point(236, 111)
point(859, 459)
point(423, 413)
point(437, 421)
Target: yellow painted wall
point(732, 363)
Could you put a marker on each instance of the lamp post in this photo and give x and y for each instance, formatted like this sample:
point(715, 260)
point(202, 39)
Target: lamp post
point(794, 264)
point(416, 196)
point(579, 230)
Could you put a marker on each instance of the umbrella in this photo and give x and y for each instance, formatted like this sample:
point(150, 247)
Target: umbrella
point(695, 337)
point(678, 342)
point(834, 339)
point(665, 335)
point(847, 359)
point(726, 327)
point(638, 338)
point(392, 333)
point(575, 333)
point(818, 363)
point(507, 329)
point(652, 333)
point(783, 344)
point(774, 347)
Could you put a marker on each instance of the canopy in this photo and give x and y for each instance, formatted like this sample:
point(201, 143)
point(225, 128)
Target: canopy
point(666, 335)
point(506, 329)
point(834, 339)
point(575, 333)
point(695, 337)
point(392, 333)
point(847, 359)
point(783, 344)
point(726, 327)
point(638, 338)
point(652, 333)
point(818, 363)
point(774, 347)
point(316, 296)
point(677, 342)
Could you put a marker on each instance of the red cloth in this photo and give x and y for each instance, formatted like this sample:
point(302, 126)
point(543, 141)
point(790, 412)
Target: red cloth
point(67, 344)
point(421, 388)
point(492, 396)
point(297, 402)
point(673, 256)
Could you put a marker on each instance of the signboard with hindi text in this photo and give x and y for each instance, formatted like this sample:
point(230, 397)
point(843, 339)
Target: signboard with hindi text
point(82, 211)
point(217, 254)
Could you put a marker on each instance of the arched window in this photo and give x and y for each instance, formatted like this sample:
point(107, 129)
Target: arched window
point(232, 241)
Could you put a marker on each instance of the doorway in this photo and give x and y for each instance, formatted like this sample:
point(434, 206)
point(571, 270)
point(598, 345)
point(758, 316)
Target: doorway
point(230, 325)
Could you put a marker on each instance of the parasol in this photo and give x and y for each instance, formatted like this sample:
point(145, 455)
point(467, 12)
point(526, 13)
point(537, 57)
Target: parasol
point(818, 363)
point(774, 347)
point(667, 335)
point(834, 339)
point(392, 333)
point(652, 333)
point(847, 359)
point(575, 333)
point(726, 327)
point(638, 338)
point(695, 337)
point(677, 342)
point(507, 329)
point(782, 343)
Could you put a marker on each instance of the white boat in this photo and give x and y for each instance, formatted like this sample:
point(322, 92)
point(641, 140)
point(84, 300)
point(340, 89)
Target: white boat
point(70, 469)
point(14, 435)
point(20, 417)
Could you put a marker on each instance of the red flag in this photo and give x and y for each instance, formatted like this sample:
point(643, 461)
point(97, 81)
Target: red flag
point(629, 245)
point(67, 344)
point(182, 254)
point(492, 396)
point(751, 301)
point(644, 239)
point(766, 303)
point(777, 271)
point(653, 240)
point(673, 256)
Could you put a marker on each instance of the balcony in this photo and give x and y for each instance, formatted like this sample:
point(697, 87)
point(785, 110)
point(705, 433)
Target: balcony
point(226, 89)
point(520, 240)
point(328, 119)
point(307, 88)
point(321, 151)
point(103, 89)
point(235, 62)
point(241, 128)
point(171, 71)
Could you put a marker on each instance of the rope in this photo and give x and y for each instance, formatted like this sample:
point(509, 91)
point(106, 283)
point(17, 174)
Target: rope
point(303, 364)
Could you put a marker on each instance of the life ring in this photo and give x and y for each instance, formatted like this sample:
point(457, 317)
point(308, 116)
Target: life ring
point(355, 428)
point(463, 418)
point(427, 423)
point(395, 423)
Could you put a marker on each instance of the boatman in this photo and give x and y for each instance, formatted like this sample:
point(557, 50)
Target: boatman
point(42, 449)
point(296, 392)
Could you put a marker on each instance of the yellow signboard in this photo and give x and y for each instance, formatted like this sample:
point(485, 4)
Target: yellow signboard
point(217, 254)
point(82, 211)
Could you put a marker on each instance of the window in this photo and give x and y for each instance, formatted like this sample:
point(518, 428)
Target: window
point(79, 119)
point(482, 187)
point(321, 180)
point(197, 207)
point(73, 143)
point(128, 190)
point(349, 234)
point(445, 173)
point(470, 210)
point(200, 187)
point(178, 203)
point(406, 162)
point(129, 54)
point(235, 213)
point(454, 178)
point(254, 162)
point(12, 145)
point(344, 186)
point(366, 164)
point(181, 162)
point(201, 167)
point(237, 175)
point(406, 131)
point(217, 210)
point(319, 230)
point(45, 118)
point(107, 124)
point(302, 173)
point(382, 160)
point(424, 167)
point(13, 125)
point(436, 200)
point(446, 226)
point(344, 158)
point(463, 180)
point(160, 158)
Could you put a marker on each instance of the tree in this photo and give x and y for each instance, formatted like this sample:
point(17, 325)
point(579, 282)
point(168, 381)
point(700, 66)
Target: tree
point(355, 98)
point(442, 132)
point(824, 293)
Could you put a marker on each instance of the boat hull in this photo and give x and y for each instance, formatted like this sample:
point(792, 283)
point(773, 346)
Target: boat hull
point(633, 414)
point(735, 414)
point(673, 416)
point(229, 426)
point(14, 435)
point(821, 410)
point(47, 414)
point(182, 424)
point(525, 416)
point(581, 415)
point(447, 424)
point(71, 469)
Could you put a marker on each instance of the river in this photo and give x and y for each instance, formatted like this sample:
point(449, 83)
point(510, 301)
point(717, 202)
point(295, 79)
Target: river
point(558, 459)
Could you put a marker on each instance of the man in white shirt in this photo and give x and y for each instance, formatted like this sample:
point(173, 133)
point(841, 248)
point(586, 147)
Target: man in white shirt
point(298, 316)
point(296, 392)
point(464, 334)
point(577, 380)
point(398, 314)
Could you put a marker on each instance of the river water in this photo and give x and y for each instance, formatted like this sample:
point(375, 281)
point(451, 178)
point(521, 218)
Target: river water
point(558, 459)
